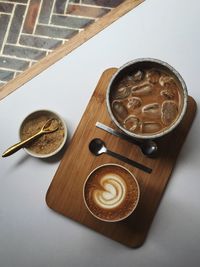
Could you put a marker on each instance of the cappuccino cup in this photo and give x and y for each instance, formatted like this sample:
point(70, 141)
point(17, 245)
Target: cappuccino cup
point(111, 193)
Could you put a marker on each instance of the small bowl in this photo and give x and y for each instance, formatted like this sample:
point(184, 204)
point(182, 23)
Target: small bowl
point(112, 179)
point(52, 142)
point(142, 64)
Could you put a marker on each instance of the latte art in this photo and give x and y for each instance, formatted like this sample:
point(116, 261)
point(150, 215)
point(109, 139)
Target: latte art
point(111, 192)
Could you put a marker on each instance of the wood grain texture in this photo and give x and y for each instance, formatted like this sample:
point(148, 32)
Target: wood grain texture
point(65, 192)
point(68, 47)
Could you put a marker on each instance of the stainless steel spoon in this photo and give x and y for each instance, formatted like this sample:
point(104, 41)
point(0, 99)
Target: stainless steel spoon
point(148, 147)
point(98, 147)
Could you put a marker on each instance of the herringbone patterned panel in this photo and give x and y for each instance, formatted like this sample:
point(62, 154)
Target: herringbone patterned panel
point(30, 29)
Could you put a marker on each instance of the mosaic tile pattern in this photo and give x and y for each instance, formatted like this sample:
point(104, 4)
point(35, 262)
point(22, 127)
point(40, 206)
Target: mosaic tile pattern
point(31, 29)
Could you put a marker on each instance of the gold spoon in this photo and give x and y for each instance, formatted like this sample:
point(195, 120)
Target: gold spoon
point(46, 128)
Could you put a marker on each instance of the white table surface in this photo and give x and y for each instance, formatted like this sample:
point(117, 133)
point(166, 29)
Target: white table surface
point(33, 235)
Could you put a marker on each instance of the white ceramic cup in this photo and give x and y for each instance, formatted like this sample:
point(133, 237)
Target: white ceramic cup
point(49, 113)
point(113, 192)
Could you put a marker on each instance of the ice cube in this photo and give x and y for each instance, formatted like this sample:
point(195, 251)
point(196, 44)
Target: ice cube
point(122, 92)
point(151, 127)
point(168, 93)
point(142, 89)
point(153, 76)
point(168, 82)
point(138, 76)
point(134, 102)
point(131, 123)
point(169, 112)
point(119, 110)
point(152, 110)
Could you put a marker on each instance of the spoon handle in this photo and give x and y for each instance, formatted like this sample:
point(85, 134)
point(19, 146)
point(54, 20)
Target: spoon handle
point(117, 133)
point(129, 161)
point(141, 145)
point(14, 148)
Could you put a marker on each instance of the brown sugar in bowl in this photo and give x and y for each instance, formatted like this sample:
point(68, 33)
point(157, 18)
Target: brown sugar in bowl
point(48, 144)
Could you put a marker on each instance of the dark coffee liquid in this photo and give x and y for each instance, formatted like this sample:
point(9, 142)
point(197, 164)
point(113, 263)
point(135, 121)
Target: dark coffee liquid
point(111, 193)
point(147, 101)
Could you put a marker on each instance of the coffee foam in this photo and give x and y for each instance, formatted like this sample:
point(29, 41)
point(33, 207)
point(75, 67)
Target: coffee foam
point(111, 191)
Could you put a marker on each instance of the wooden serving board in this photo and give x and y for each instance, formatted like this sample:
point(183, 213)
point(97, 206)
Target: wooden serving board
point(65, 192)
